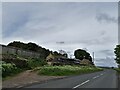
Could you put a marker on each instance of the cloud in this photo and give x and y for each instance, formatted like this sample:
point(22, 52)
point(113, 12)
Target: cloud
point(66, 26)
point(60, 0)
point(107, 52)
point(108, 62)
point(0, 22)
point(103, 17)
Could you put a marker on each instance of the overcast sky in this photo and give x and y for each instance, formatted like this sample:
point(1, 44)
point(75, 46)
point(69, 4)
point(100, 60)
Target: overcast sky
point(64, 25)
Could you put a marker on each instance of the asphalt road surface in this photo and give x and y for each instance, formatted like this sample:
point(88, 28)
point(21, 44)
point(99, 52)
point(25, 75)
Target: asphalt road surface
point(102, 79)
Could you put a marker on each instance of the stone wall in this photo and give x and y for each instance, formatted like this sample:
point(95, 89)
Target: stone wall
point(13, 50)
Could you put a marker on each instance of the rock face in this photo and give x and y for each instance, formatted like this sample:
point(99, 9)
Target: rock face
point(19, 62)
point(17, 51)
point(54, 60)
point(59, 60)
point(86, 62)
point(50, 57)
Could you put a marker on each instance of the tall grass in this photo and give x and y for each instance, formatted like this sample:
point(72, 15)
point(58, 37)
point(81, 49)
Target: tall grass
point(66, 70)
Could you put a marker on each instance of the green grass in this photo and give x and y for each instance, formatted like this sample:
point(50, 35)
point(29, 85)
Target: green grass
point(33, 63)
point(66, 70)
point(118, 70)
point(9, 69)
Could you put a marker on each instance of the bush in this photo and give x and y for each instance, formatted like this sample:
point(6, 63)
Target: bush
point(9, 69)
point(18, 61)
point(32, 63)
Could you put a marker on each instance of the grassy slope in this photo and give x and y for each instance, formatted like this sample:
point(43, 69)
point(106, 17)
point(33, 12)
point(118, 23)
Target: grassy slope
point(66, 70)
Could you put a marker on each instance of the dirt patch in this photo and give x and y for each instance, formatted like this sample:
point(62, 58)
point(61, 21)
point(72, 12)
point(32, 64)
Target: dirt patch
point(26, 78)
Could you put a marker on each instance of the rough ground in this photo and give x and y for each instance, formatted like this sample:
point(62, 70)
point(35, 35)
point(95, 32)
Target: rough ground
point(26, 78)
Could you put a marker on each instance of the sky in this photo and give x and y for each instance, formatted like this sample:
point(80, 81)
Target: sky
point(64, 25)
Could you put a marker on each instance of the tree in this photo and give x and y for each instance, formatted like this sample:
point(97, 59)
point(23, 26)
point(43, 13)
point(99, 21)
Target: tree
point(32, 47)
point(117, 54)
point(63, 53)
point(17, 44)
point(82, 54)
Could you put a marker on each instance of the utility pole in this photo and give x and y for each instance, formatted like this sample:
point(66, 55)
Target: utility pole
point(93, 57)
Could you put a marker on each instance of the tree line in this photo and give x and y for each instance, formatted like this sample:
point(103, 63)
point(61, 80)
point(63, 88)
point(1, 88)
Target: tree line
point(79, 53)
point(33, 47)
point(117, 54)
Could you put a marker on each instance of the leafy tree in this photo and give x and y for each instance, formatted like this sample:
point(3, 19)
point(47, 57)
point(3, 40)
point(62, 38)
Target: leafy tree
point(33, 47)
point(63, 53)
point(82, 54)
point(17, 44)
point(56, 53)
point(117, 54)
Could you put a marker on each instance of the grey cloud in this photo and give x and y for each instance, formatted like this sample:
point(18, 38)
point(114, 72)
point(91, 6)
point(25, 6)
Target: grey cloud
point(66, 26)
point(98, 41)
point(105, 62)
point(86, 41)
point(107, 52)
point(105, 17)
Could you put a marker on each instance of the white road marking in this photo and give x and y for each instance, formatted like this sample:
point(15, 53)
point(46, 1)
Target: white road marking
point(97, 76)
point(81, 84)
point(88, 81)
point(101, 74)
point(94, 77)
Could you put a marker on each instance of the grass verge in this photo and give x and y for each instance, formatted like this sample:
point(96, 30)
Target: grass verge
point(118, 70)
point(66, 70)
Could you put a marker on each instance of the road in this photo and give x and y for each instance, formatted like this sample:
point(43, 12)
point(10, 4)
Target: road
point(102, 79)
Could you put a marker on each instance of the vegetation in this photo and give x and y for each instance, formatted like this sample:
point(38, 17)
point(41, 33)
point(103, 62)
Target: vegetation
point(66, 70)
point(118, 70)
point(33, 63)
point(82, 54)
point(33, 47)
point(12, 64)
point(9, 69)
point(20, 62)
point(117, 53)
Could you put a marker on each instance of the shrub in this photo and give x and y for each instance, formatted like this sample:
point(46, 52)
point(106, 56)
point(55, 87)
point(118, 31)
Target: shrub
point(32, 63)
point(9, 69)
point(18, 61)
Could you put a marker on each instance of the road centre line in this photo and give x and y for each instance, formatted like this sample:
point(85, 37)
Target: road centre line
point(81, 84)
point(87, 81)
point(95, 77)
point(101, 74)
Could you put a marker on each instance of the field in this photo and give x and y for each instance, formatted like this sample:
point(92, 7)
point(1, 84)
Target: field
point(66, 70)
